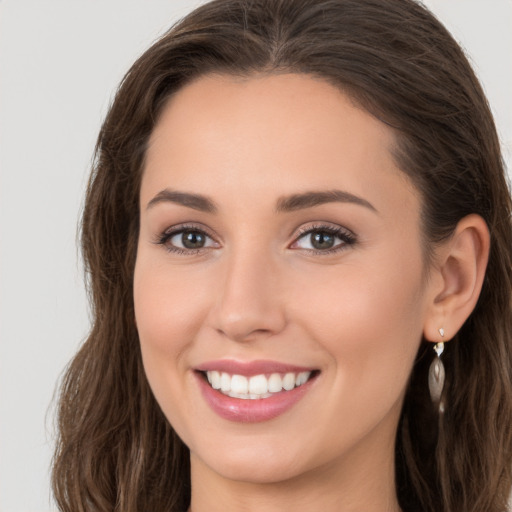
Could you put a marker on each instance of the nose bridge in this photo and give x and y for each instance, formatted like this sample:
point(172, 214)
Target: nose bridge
point(248, 303)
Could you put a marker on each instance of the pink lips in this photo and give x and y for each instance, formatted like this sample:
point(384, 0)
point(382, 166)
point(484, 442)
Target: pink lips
point(249, 368)
point(251, 411)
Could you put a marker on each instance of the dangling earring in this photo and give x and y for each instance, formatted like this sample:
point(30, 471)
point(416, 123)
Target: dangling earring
point(436, 375)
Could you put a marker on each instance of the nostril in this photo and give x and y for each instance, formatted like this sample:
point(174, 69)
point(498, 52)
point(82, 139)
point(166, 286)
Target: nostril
point(243, 333)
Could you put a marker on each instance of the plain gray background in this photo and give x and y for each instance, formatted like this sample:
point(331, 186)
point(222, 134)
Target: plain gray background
point(60, 62)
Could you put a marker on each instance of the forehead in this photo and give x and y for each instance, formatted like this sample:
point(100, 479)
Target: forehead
point(272, 134)
point(284, 108)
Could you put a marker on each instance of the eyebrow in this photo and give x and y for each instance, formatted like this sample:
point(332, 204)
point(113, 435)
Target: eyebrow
point(284, 204)
point(310, 199)
point(194, 201)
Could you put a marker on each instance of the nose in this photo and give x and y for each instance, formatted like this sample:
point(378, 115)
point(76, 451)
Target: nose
point(250, 303)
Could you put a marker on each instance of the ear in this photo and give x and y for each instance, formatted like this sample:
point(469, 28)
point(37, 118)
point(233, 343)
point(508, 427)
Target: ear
point(456, 278)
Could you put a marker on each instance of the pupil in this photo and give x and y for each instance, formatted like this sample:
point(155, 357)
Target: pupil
point(322, 240)
point(192, 239)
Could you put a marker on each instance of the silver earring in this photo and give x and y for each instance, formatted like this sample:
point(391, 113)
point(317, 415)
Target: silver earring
point(436, 375)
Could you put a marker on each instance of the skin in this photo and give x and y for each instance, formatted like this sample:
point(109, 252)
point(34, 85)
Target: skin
point(256, 290)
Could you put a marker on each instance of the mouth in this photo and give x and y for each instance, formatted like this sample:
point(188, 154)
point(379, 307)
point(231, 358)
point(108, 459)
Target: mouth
point(256, 391)
point(256, 387)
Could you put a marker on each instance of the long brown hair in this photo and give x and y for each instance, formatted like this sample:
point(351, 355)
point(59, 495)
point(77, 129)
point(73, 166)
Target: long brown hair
point(116, 451)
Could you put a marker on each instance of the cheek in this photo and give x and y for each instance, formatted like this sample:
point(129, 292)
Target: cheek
point(168, 308)
point(369, 322)
point(368, 317)
point(167, 313)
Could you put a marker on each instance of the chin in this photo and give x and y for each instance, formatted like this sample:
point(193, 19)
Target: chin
point(257, 464)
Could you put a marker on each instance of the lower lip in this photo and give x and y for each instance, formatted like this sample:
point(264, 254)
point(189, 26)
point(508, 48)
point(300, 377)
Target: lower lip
point(251, 411)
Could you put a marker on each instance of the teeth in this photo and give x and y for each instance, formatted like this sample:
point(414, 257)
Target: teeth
point(214, 379)
point(225, 382)
point(239, 384)
point(257, 386)
point(302, 378)
point(289, 381)
point(275, 383)
point(248, 396)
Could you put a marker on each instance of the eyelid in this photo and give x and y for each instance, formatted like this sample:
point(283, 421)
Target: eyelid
point(322, 225)
point(164, 237)
point(189, 226)
point(344, 234)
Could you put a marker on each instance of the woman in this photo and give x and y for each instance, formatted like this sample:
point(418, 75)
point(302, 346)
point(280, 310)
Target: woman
point(295, 205)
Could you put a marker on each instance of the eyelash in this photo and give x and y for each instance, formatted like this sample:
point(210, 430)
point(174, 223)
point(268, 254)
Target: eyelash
point(346, 236)
point(164, 238)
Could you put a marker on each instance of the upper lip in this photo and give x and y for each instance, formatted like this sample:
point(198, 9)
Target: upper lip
point(249, 368)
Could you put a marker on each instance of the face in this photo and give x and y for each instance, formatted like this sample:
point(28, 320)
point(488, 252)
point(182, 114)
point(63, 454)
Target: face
point(279, 257)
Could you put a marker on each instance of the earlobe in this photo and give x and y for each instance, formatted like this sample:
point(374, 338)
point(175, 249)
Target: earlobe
point(460, 271)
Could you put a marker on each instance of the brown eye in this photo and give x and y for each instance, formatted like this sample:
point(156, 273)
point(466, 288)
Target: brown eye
point(186, 240)
point(192, 239)
point(322, 240)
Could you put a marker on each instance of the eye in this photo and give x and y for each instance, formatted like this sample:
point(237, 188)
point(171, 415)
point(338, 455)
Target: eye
point(186, 240)
point(324, 239)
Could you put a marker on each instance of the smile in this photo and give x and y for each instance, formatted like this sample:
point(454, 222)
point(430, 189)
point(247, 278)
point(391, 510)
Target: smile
point(256, 391)
point(255, 387)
